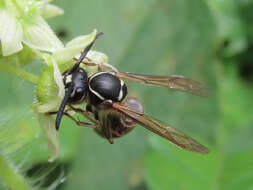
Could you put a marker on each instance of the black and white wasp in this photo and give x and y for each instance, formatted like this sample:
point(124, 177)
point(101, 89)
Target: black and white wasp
point(111, 112)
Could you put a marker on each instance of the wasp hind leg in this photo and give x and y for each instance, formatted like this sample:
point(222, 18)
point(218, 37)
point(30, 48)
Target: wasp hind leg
point(81, 123)
point(106, 130)
point(84, 113)
point(78, 122)
point(90, 64)
point(108, 135)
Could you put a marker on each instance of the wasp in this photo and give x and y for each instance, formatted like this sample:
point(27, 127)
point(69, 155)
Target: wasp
point(111, 112)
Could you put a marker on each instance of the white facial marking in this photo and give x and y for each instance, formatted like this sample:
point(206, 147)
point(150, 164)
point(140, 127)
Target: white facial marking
point(69, 79)
point(73, 93)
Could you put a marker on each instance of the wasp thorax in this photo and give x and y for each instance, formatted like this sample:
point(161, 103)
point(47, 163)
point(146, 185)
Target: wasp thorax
point(106, 86)
point(79, 80)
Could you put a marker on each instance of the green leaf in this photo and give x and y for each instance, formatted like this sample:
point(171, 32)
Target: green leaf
point(99, 163)
point(171, 168)
point(16, 132)
point(167, 37)
point(236, 105)
point(231, 27)
point(58, 80)
point(161, 38)
point(73, 47)
point(247, 16)
point(228, 165)
point(22, 144)
point(46, 92)
point(12, 178)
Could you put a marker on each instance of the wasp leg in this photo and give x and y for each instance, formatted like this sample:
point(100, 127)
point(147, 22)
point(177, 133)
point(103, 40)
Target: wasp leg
point(90, 63)
point(80, 123)
point(100, 68)
point(52, 113)
point(106, 129)
point(99, 65)
point(86, 63)
point(84, 53)
point(116, 133)
point(107, 132)
point(85, 113)
point(110, 140)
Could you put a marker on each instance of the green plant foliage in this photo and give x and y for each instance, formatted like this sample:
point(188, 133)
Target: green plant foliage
point(162, 37)
point(203, 40)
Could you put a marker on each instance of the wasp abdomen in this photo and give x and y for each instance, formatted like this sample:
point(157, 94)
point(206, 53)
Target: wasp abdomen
point(119, 124)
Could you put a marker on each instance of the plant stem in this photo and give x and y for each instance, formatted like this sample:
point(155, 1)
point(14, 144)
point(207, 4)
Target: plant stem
point(11, 177)
point(19, 72)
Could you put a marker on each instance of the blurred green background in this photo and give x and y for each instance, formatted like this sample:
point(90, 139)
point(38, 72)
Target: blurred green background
point(210, 41)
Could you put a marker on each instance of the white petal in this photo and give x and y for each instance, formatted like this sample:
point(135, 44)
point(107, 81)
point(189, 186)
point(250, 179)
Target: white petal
point(41, 5)
point(97, 57)
point(58, 79)
point(39, 35)
point(47, 123)
point(10, 33)
point(74, 47)
point(100, 59)
point(46, 107)
point(13, 7)
point(50, 10)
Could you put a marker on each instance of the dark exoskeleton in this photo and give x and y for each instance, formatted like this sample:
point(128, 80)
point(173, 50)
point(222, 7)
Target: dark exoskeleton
point(95, 90)
point(109, 109)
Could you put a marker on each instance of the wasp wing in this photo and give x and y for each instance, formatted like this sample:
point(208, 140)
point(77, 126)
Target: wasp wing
point(162, 129)
point(172, 82)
